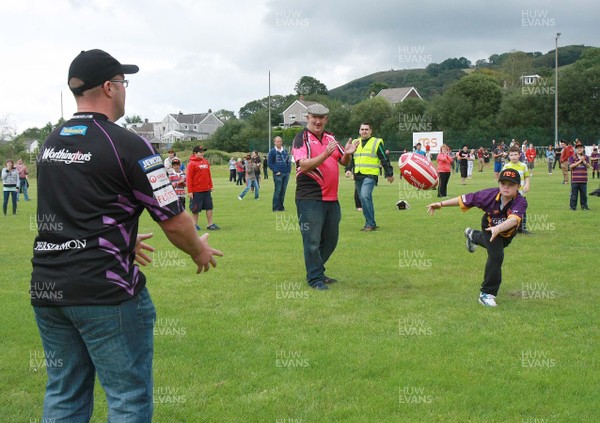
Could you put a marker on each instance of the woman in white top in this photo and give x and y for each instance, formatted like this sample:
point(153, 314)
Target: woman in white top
point(10, 181)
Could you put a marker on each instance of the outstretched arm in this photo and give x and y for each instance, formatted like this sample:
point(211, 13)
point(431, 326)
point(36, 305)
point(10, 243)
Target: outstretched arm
point(507, 225)
point(452, 202)
point(181, 232)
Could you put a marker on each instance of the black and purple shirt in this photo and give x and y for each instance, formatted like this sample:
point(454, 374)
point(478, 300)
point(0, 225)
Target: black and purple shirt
point(95, 178)
point(489, 200)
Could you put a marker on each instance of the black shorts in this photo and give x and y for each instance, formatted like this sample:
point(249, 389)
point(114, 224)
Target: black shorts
point(201, 201)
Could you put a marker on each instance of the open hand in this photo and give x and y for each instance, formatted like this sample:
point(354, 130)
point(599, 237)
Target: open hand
point(140, 256)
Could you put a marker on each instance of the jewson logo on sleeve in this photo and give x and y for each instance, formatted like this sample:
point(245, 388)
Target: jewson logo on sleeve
point(69, 131)
point(150, 163)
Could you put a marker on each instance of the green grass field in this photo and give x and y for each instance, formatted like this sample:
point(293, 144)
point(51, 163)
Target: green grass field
point(400, 338)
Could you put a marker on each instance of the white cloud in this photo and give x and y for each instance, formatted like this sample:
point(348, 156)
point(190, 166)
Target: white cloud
point(198, 54)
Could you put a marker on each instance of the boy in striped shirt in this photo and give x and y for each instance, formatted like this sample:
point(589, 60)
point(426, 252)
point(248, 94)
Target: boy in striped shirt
point(579, 164)
point(177, 178)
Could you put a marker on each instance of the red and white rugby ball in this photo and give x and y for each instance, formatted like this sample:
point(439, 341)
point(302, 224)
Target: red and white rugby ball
point(418, 171)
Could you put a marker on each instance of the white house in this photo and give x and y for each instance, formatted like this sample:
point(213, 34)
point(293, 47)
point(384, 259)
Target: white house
point(295, 114)
point(178, 127)
point(529, 79)
point(398, 95)
point(34, 147)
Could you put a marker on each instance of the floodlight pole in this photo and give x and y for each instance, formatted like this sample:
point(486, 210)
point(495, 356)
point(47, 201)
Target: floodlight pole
point(269, 112)
point(556, 90)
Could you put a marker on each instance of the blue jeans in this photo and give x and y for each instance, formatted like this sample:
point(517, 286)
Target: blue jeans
point(365, 187)
point(319, 225)
point(23, 188)
point(248, 184)
point(116, 341)
point(13, 195)
point(281, 182)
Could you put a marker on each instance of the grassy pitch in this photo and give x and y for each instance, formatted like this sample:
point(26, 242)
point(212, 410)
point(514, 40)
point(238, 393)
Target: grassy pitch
point(400, 338)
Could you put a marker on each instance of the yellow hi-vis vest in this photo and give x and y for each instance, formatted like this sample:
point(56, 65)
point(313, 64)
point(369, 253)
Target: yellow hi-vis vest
point(365, 158)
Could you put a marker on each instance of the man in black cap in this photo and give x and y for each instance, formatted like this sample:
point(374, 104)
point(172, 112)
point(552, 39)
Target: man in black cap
point(503, 209)
point(92, 308)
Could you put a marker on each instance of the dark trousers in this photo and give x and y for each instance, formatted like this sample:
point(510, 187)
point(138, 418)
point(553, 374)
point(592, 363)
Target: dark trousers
point(463, 168)
point(582, 190)
point(492, 277)
point(357, 199)
point(319, 225)
point(232, 174)
point(241, 178)
point(443, 184)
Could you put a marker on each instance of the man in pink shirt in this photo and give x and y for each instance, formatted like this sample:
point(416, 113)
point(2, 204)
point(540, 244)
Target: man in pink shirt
point(317, 154)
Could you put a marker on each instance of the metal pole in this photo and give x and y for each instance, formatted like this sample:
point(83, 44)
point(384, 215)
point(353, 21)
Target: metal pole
point(269, 112)
point(556, 91)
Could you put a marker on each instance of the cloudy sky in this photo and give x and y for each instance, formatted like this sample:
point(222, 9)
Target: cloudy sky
point(196, 55)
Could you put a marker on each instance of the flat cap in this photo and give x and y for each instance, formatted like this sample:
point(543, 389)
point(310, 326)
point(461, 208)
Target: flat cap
point(317, 110)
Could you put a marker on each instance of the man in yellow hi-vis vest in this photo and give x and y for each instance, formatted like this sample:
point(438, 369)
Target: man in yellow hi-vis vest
point(368, 157)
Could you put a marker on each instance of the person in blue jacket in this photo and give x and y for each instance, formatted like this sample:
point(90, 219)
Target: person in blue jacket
point(279, 163)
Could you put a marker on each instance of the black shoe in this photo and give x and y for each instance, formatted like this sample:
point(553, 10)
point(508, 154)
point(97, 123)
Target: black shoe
point(319, 286)
point(329, 280)
point(585, 209)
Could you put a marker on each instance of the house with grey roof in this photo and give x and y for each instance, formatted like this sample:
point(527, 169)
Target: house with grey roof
point(177, 127)
point(398, 95)
point(143, 129)
point(295, 114)
point(187, 127)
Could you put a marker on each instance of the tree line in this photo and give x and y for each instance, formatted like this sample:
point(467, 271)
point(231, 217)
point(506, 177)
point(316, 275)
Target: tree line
point(482, 105)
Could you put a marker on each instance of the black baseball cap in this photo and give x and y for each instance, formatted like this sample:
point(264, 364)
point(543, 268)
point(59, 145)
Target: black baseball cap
point(175, 161)
point(94, 67)
point(510, 175)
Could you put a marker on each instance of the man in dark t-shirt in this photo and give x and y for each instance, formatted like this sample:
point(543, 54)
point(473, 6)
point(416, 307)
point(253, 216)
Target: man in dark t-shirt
point(91, 304)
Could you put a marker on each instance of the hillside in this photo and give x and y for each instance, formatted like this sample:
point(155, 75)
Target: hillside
point(436, 78)
point(427, 85)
